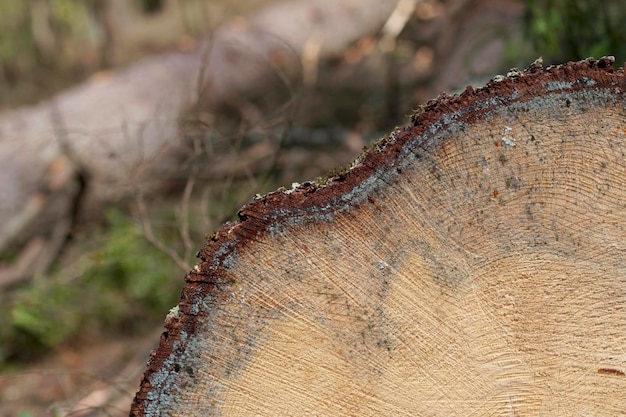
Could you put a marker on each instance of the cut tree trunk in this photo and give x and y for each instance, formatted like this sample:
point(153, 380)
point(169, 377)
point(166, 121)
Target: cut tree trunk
point(472, 262)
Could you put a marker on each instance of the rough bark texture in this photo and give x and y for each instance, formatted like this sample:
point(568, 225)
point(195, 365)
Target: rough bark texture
point(470, 263)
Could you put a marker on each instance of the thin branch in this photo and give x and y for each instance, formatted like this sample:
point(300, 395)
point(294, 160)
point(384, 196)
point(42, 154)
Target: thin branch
point(184, 215)
point(153, 240)
point(207, 223)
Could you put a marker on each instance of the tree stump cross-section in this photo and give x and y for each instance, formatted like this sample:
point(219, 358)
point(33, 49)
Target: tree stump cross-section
point(470, 263)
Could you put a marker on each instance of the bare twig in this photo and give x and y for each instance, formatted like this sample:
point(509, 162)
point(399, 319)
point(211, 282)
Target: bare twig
point(152, 239)
point(396, 23)
point(22, 269)
point(207, 224)
point(184, 216)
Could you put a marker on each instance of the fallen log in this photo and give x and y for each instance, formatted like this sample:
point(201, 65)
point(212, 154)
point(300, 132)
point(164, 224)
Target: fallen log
point(471, 262)
point(120, 132)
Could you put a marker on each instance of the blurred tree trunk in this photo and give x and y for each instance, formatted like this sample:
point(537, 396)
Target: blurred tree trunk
point(118, 133)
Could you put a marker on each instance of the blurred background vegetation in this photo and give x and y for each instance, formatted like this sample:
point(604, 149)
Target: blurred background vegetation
point(48, 45)
point(110, 280)
point(569, 30)
point(114, 280)
point(116, 283)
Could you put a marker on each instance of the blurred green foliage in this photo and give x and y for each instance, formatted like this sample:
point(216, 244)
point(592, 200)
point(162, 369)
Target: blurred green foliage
point(566, 30)
point(122, 286)
point(15, 39)
point(47, 45)
point(35, 32)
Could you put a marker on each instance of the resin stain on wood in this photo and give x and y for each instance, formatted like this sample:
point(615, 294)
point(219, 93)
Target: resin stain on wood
point(472, 262)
